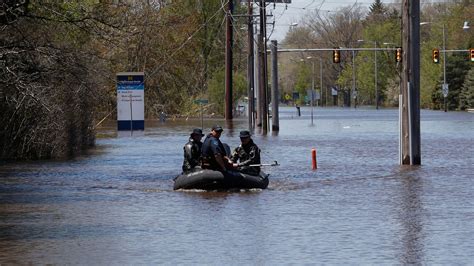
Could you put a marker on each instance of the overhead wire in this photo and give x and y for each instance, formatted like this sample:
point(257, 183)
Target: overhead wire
point(188, 39)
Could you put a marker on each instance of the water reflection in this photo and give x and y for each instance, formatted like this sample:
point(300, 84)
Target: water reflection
point(411, 213)
point(116, 205)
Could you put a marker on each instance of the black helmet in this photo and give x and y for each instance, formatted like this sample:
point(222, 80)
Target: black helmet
point(245, 134)
point(217, 128)
point(197, 131)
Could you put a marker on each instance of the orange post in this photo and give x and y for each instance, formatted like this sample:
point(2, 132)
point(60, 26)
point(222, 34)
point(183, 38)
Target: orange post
point(313, 156)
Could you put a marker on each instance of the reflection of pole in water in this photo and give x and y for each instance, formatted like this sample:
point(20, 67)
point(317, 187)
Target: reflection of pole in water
point(131, 116)
point(229, 124)
point(411, 214)
point(202, 119)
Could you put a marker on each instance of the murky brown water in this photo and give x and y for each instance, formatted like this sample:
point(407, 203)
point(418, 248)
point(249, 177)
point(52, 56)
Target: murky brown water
point(117, 206)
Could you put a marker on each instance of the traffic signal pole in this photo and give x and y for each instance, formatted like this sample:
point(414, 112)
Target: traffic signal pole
point(444, 70)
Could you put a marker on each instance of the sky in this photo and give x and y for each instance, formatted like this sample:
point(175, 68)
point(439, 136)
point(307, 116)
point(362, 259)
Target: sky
point(286, 14)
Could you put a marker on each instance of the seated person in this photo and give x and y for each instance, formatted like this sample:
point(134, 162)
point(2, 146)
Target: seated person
point(192, 151)
point(246, 154)
point(214, 156)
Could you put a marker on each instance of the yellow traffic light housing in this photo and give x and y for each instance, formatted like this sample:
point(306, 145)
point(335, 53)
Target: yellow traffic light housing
point(435, 55)
point(398, 54)
point(336, 55)
point(471, 54)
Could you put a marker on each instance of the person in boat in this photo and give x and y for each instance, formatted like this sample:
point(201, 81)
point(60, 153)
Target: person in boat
point(192, 151)
point(214, 155)
point(246, 154)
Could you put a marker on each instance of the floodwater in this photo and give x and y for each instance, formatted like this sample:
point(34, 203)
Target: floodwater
point(116, 205)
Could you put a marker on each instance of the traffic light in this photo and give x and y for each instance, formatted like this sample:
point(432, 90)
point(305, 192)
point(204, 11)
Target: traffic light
point(398, 54)
point(435, 55)
point(471, 54)
point(336, 55)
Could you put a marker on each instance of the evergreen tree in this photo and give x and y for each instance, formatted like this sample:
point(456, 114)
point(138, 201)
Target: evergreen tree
point(456, 69)
point(466, 97)
point(377, 11)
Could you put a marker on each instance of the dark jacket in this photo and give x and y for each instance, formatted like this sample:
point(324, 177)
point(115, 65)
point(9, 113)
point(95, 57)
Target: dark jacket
point(192, 155)
point(210, 148)
point(247, 155)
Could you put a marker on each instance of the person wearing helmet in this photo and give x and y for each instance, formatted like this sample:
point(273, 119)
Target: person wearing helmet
point(192, 151)
point(214, 154)
point(246, 154)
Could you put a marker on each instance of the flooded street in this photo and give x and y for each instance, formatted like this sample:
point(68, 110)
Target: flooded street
point(116, 205)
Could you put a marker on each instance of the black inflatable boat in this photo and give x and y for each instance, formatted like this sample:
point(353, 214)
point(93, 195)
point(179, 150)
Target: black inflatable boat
point(214, 180)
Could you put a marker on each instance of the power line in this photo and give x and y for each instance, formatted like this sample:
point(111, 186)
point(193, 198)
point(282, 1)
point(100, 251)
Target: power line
point(187, 40)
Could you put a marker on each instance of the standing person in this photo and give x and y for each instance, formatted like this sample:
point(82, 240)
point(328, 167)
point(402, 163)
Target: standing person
point(213, 151)
point(246, 154)
point(192, 151)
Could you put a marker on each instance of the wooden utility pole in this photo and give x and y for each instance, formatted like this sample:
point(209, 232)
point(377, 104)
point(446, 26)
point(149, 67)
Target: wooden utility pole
point(250, 68)
point(410, 87)
point(263, 66)
point(228, 60)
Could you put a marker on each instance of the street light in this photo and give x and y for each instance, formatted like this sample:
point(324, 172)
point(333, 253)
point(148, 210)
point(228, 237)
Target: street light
point(466, 25)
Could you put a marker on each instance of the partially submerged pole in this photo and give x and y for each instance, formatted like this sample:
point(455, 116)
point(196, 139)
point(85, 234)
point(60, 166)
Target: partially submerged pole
point(263, 66)
point(275, 96)
point(228, 60)
point(410, 87)
point(250, 68)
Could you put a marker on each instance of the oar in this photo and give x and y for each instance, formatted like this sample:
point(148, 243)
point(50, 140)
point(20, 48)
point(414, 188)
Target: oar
point(275, 163)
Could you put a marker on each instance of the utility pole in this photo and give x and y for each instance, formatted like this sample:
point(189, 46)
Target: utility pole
point(228, 60)
point(263, 60)
point(275, 96)
point(410, 88)
point(250, 68)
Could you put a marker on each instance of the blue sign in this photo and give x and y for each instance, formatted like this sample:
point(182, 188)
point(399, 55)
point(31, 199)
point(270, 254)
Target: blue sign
point(130, 101)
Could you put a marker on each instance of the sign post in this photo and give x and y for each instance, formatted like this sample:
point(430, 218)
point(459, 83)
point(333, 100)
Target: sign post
point(130, 101)
point(201, 102)
point(445, 89)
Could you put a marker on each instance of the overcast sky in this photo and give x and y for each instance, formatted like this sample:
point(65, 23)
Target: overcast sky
point(286, 14)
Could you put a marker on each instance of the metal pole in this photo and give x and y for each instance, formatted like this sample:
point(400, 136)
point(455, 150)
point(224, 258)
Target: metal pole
point(275, 96)
point(259, 76)
point(202, 117)
point(250, 67)
point(353, 80)
point(376, 83)
point(312, 90)
point(444, 68)
point(228, 60)
point(131, 116)
point(321, 80)
point(264, 80)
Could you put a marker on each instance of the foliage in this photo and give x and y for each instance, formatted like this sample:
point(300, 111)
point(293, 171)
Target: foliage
point(466, 96)
point(380, 26)
point(59, 60)
point(456, 69)
point(49, 87)
point(216, 90)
